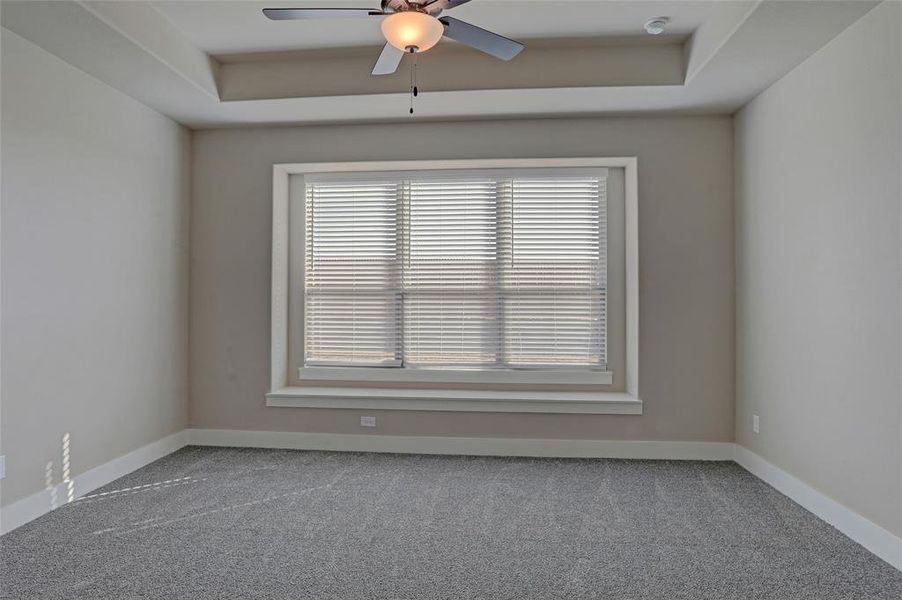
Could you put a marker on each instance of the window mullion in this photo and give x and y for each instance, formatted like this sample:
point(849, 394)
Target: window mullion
point(503, 254)
point(403, 257)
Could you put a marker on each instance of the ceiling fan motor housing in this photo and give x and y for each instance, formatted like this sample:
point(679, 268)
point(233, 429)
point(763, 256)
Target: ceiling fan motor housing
point(431, 8)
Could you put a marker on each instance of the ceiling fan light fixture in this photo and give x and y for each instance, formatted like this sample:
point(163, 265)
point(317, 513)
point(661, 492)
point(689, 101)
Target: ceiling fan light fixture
point(412, 29)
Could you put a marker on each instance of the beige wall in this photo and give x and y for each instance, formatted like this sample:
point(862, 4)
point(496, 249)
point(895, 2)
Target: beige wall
point(818, 192)
point(94, 270)
point(686, 279)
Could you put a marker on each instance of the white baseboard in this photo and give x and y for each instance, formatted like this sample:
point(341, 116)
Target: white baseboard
point(477, 446)
point(30, 508)
point(876, 539)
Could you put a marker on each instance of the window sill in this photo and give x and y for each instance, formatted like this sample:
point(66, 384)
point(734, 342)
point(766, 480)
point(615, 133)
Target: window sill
point(456, 400)
point(487, 376)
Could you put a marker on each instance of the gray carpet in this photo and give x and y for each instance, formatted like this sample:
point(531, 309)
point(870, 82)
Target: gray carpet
point(238, 523)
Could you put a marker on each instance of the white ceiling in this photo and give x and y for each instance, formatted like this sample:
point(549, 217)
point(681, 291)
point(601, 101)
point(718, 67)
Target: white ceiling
point(239, 26)
point(170, 56)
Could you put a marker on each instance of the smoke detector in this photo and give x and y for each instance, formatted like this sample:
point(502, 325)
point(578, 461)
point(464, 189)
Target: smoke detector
point(656, 26)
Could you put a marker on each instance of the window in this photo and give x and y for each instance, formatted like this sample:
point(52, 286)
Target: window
point(489, 285)
point(482, 269)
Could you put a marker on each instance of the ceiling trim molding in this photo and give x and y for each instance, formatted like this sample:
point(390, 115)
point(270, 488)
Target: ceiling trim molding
point(145, 27)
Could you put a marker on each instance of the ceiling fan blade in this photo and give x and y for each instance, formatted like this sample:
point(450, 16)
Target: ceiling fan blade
point(481, 39)
point(290, 14)
point(434, 6)
point(388, 61)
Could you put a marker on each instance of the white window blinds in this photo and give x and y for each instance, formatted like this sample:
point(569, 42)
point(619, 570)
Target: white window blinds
point(451, 273)
point(479, 270)
point(352, 292)
point(555, 295)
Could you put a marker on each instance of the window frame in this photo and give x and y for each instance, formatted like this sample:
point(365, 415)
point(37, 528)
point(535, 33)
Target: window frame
point(283, 394)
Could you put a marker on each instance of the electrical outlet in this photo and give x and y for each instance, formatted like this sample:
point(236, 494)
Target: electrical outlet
point(756, 424)
point(367, 421)
point(2, 466)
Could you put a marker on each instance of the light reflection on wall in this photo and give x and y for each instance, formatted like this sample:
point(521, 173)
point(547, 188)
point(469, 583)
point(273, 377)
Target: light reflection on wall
point(67, 473)
point(48, 484)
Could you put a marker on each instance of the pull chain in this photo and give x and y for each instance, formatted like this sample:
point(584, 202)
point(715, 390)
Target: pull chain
point(413, 78)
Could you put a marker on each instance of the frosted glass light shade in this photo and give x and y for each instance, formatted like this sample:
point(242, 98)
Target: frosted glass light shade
point(411, 28)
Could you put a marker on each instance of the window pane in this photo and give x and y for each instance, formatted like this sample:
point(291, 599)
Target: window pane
point(352, 291)
point(450, 273)
point(555, 277)
point(351, 328)
point(554, 328)
point(450, 329)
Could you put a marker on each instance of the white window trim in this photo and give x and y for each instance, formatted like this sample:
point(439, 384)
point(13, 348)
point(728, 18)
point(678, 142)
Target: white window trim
point(432, 375)
point(281, 394)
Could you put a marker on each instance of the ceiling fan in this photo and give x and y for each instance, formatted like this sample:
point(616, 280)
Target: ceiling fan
point(411, 26)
